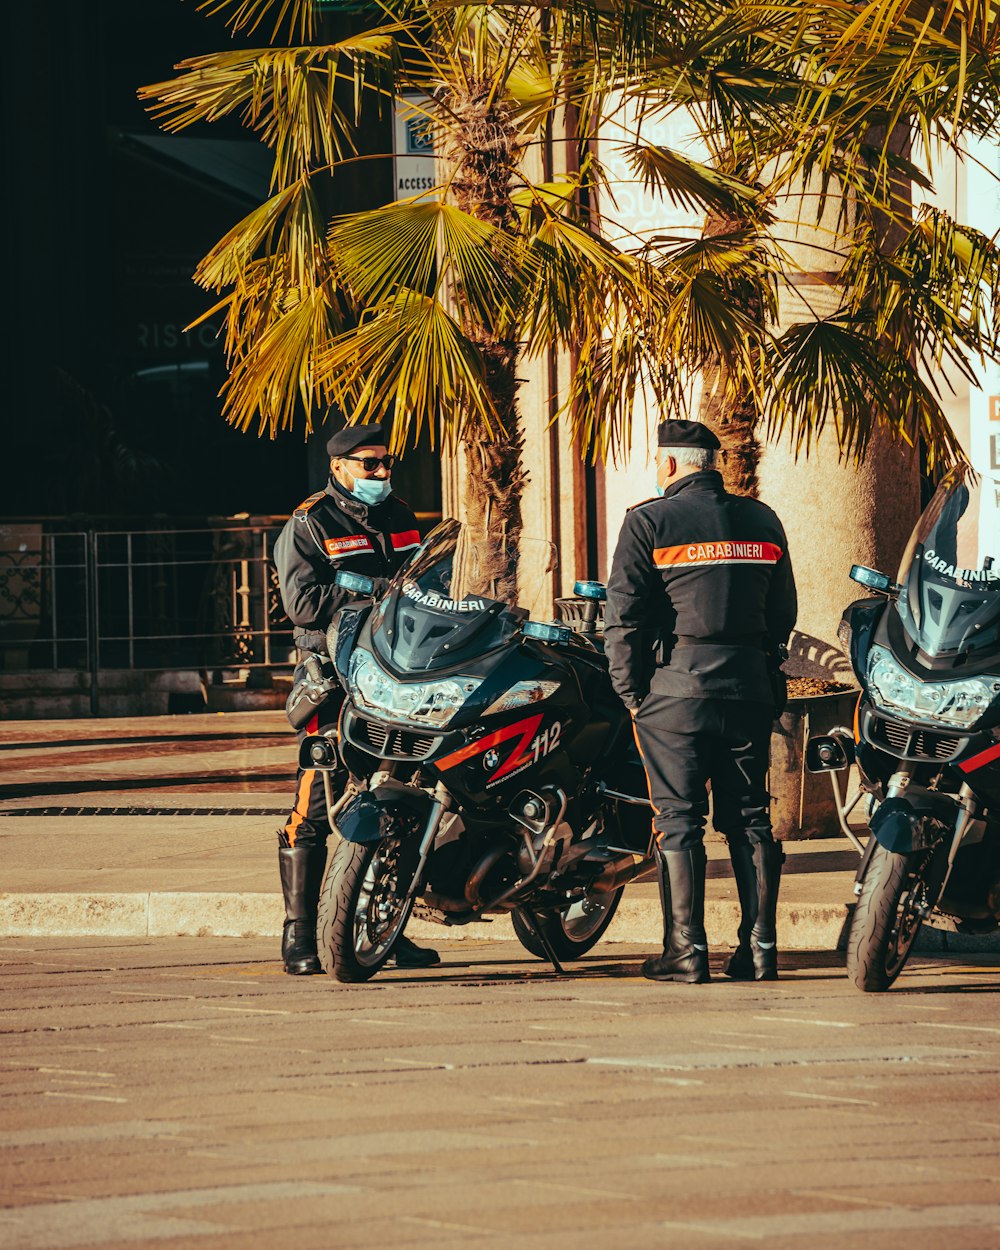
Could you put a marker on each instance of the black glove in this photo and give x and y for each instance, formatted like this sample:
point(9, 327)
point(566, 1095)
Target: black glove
point(311, 691)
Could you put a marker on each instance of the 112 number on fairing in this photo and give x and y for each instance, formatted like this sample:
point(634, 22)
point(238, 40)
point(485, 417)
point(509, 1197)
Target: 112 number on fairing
point(546, 742)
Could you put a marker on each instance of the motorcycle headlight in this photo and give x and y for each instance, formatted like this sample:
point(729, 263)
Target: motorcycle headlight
point(955, 703)
point(418, 702)
point(521, 694)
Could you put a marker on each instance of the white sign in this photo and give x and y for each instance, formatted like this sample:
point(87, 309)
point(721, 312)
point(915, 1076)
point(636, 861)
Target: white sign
point(414, 169)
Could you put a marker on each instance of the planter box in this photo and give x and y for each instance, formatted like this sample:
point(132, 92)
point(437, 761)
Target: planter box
point(802, 802)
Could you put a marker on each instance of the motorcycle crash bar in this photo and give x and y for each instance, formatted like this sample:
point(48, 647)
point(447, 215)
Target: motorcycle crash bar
point(832, 753)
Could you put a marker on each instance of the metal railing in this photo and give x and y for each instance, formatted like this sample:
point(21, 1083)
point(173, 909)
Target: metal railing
point(167, 599)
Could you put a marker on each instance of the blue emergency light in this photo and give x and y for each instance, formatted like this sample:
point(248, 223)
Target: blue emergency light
point(546, 633)
point(591, 590)
point(356, 583)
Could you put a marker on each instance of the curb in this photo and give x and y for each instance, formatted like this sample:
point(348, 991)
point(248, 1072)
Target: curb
point(801, 927)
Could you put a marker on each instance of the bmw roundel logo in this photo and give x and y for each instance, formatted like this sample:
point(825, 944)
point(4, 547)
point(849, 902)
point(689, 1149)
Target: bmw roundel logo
point(491, 759)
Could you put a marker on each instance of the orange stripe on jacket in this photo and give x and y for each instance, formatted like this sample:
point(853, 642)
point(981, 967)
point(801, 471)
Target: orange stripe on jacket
point(720, 551)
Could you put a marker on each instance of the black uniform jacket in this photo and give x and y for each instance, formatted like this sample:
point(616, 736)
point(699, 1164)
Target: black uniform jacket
point(330, 531)
point(701, 589)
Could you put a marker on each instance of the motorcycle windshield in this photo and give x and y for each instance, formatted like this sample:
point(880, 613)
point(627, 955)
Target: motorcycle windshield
point(462, 593)
point(950, 572)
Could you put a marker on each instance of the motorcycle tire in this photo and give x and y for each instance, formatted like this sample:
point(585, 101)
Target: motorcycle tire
point(885, 924)
point(352, 945)
point(570, 935)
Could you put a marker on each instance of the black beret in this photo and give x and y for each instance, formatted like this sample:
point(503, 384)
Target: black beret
point(686, 434)
point(352, 437)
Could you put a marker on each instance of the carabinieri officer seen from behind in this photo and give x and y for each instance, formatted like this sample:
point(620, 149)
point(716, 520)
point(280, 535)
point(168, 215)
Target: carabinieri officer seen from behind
point(701, 601)
point(357, 524)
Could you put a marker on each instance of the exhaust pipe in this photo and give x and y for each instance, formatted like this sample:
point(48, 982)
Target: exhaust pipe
point(617, 873)
point(474, 885)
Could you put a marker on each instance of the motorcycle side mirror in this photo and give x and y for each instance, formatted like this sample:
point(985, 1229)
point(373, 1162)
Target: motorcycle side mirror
point(356, 583)
point(546, 633)
point(881, 583)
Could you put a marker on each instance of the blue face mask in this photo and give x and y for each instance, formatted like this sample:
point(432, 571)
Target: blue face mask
point(371, 490)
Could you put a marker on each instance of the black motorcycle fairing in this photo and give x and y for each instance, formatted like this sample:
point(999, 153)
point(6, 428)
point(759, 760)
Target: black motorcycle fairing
point(913, 823)
point(496, 671)
point(890, 631)
point(950, 602)
point(343, 634)
point(861, 617)
point(375, 814)
point(455, 599)
point(412, 637)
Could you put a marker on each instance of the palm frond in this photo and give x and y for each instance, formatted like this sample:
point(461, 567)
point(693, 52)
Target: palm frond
point(691, 184)
point(288, 223)
point(616, 368)
point(420, 246)
point(249, 15)
point(573, 271)
point(936, 293)
point(287, 95)
point(830, 373)
point(273, 362)
point(413, 363)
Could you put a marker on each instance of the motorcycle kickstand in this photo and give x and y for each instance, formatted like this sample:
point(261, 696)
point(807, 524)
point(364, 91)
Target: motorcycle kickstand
point(543, 941)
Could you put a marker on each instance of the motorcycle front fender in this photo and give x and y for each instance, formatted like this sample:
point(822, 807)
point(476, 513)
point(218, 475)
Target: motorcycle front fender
point(902, 825)
point(373, 815)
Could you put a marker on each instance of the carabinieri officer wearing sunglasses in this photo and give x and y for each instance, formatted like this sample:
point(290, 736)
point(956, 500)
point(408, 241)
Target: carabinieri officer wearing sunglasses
point(357, 524)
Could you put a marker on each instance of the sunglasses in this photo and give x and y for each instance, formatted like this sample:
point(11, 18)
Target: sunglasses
point(371, 463)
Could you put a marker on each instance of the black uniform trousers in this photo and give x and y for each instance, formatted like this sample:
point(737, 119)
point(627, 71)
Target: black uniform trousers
point(689, 744)
point(308, 822)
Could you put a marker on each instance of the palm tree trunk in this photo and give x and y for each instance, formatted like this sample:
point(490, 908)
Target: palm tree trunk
point(482, 150)
point(735, 421)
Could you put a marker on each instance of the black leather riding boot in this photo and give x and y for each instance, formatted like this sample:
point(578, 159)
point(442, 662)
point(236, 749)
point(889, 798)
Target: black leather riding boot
point(767, 858)
point(682, 891)
point(301, 869)
point(408, 954)
point(740, 966)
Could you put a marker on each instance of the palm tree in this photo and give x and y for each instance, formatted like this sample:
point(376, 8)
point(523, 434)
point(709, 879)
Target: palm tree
point(823, 106)
point(419, 312)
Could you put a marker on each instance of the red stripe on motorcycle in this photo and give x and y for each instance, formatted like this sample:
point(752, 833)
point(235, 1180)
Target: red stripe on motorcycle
point(527, 728)
point(981, 760)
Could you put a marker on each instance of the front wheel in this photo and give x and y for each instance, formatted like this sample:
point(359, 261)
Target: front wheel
point(363, 906)
point(887, 918)
point(572, 931)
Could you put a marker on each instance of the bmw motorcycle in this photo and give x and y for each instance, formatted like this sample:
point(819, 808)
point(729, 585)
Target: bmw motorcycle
point(926, 736)
point(492, 768)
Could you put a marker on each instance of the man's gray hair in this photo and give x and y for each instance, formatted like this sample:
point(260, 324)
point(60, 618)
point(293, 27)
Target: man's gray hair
point(699, 457)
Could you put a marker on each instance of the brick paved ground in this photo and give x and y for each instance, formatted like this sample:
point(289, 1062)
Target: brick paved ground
point(184, 1093)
